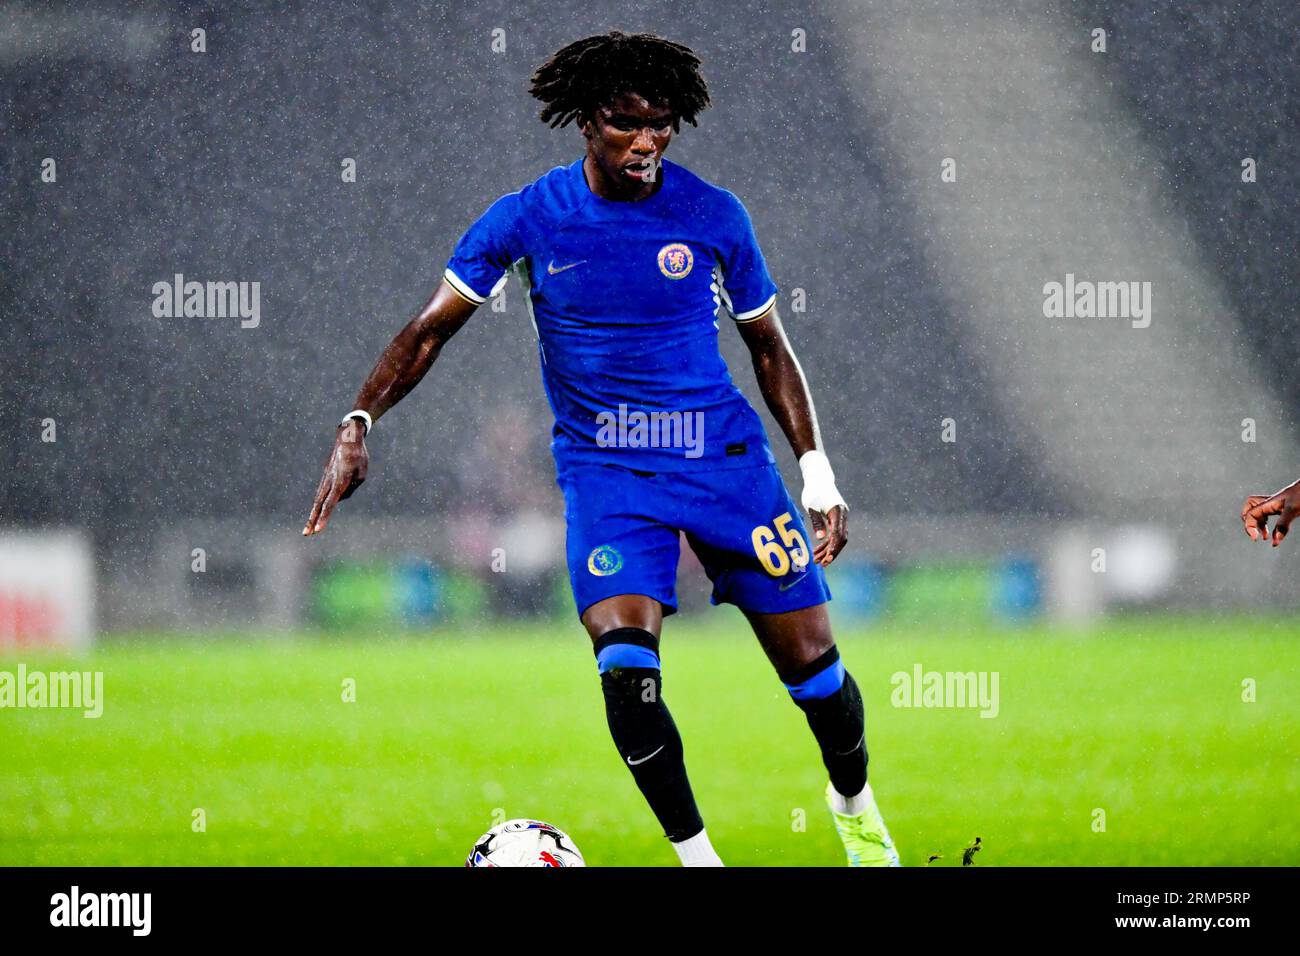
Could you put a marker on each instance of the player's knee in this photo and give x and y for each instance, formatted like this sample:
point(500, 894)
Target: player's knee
point(628, 661)
point(630, 680)
point(818, 679)
point(624, 648)
point(832, 703)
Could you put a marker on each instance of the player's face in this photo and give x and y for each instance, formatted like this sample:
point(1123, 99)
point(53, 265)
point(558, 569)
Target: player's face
point(627, 139)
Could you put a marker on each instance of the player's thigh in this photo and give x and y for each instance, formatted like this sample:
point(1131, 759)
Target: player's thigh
point(793, 639)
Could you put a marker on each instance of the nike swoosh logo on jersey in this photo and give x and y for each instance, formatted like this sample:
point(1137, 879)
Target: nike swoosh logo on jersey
point(633, 763)
point(551, 270)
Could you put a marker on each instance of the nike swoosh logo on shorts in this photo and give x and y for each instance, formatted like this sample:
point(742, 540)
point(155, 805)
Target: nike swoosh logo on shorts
point(789, 584)
point(551, 270)
point(633, 763)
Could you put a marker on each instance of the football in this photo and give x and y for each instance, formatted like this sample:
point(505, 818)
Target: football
point(525, 843)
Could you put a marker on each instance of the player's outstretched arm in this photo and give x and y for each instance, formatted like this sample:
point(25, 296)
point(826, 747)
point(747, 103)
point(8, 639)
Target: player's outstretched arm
point(399, 369)
point(785, 391)
point(1259, 508)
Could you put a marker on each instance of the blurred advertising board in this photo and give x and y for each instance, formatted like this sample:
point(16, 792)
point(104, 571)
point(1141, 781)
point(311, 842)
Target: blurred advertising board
point(47, 590)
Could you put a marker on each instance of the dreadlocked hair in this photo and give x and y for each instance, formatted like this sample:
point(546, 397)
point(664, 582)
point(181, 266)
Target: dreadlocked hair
point(590, 72)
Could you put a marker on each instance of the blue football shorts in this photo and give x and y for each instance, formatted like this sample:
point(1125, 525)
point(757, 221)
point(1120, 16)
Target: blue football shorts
point(624, 530)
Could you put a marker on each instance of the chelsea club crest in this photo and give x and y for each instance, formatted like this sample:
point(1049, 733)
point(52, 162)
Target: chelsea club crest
point(675, 260)
point(604, 560)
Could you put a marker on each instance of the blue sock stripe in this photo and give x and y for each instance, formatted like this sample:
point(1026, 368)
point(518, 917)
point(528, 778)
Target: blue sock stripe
point(822, 684)
point(626, 655)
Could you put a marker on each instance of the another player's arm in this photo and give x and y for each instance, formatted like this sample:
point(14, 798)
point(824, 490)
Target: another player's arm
point(399, 369)
point(786, 393)
point(1259, 508)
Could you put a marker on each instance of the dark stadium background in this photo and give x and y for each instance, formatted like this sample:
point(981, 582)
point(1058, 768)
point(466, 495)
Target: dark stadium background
point(225, 166)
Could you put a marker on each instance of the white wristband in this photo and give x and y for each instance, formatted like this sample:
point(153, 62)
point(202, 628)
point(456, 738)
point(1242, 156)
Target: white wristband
point(358, 413)
point(819, 491)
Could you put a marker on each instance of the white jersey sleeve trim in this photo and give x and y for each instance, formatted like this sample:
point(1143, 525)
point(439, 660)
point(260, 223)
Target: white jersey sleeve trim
point(755, 313)
point(459, 284)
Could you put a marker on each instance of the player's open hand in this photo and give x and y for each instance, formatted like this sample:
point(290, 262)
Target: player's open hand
point(830, 533)
point(344, 472)
point(1259, 508)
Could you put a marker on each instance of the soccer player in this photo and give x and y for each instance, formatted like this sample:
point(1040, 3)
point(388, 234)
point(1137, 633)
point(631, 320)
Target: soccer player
point(630, 260)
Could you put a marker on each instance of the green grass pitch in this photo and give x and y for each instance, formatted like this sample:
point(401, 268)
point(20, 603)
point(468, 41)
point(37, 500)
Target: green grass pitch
point(1143, 719)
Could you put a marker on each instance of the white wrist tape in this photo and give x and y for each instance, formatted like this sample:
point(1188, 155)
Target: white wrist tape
point(358, 413)
point(819, 491)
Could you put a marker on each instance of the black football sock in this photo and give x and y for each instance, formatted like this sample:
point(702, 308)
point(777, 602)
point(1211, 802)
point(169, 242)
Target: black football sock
point(643, 730)
point(829, 698)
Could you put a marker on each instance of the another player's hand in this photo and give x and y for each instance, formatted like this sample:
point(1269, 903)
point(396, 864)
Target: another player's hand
point(344, 472)
point(1259, 508)
point(831, 533)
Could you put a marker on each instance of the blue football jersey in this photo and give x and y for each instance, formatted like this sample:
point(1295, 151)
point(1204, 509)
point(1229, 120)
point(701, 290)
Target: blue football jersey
point(625, 299)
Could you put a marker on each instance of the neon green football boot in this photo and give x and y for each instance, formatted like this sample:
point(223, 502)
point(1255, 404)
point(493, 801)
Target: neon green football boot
point(866, 839)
